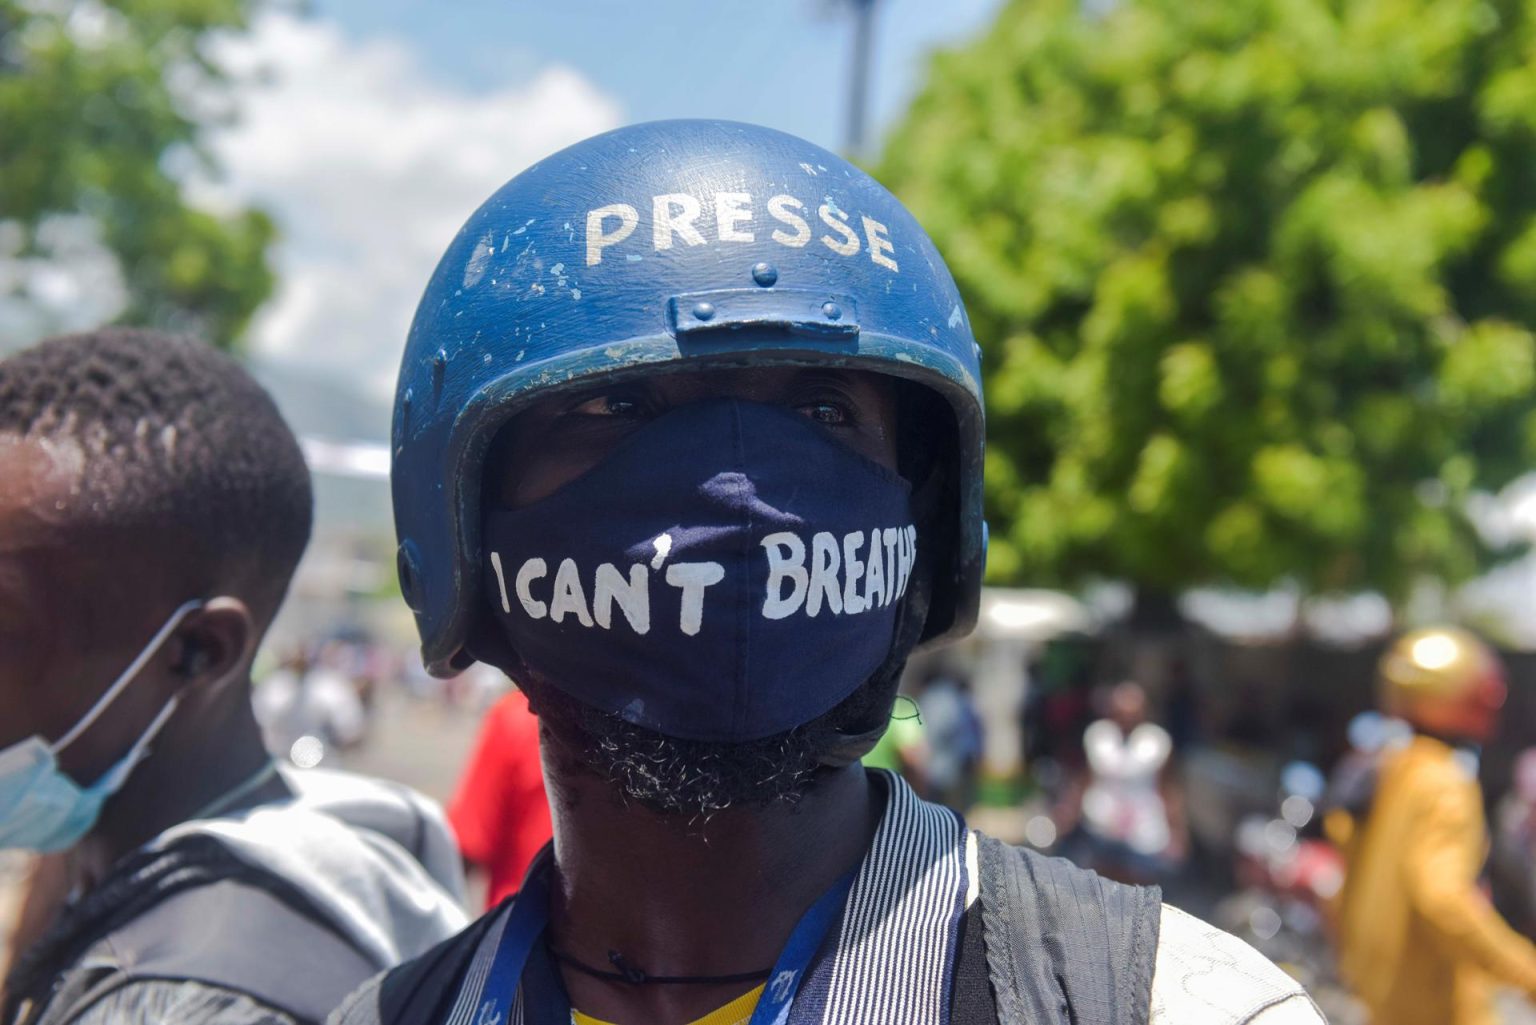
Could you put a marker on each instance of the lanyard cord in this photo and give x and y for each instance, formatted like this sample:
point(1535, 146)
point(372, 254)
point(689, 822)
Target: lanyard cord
point(231, 797)
point(499, 981)
point(632, 975)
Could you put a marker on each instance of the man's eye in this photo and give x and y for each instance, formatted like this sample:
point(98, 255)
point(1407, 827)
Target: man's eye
point(609, 405)
point(829, 413)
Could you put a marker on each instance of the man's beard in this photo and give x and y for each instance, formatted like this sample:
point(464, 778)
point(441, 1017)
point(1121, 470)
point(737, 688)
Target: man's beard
point(693, 778)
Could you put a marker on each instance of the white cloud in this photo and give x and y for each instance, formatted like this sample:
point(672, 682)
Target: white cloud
point(370, 166)
point(71, 283)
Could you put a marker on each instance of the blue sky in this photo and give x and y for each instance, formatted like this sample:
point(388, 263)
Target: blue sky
point(782, 64)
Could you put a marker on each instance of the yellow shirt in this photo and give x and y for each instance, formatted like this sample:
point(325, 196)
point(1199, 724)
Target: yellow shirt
point(1418, 941)
point(737, 1012)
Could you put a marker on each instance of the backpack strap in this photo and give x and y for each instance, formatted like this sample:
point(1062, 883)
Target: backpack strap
point(422, 991)
point(248, 940)
point(1065, 946)
point(191, 912)
point(230, 936)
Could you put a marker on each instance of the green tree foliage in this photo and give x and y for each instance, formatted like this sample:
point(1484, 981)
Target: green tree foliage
point(1255, 281)
point(96, 119)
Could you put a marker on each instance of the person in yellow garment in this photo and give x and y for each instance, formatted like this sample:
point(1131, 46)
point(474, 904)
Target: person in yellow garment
point(1418, 940)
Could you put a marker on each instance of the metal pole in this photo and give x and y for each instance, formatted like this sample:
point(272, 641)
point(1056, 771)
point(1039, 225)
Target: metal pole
point(858, 86)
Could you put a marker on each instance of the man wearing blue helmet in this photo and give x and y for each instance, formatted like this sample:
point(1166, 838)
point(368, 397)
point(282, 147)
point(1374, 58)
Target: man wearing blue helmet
point(688, 441)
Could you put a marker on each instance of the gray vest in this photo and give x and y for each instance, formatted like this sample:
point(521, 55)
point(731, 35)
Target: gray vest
point(1063, 947)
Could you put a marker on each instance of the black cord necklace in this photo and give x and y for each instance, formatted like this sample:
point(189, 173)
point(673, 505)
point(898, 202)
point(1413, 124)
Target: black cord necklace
point(630, 974)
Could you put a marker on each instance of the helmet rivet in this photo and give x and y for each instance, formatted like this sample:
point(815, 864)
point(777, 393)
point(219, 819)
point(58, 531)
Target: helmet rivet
point(397, 432)
point(765, 274)
point(832, 311)
point(703, 311)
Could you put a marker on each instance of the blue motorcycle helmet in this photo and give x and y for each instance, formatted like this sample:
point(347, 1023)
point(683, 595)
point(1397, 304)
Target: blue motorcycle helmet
point(665, 247)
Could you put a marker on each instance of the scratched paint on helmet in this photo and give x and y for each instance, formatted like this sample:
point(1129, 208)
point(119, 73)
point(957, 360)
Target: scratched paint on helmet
point(675, 242)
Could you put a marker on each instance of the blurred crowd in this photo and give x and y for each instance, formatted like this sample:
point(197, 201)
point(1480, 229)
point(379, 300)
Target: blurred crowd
point(1114, 780)
point(1132, 787)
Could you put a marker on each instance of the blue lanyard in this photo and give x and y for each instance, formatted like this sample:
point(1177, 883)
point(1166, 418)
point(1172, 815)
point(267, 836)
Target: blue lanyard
point(789, 971)
point(529, 915)
point(526, 920)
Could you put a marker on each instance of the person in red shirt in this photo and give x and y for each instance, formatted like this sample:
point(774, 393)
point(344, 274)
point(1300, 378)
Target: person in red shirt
point(500, 813)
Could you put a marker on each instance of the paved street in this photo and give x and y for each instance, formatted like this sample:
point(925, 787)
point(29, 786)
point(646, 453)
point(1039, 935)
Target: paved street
point(421, 743)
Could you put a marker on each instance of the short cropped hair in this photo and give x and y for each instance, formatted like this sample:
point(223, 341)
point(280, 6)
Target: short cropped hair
point(167, 435)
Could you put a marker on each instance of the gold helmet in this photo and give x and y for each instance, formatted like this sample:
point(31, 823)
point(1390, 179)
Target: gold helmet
point(1444, 680)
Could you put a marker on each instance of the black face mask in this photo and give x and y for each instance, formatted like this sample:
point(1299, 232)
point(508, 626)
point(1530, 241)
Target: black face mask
point(726, 574)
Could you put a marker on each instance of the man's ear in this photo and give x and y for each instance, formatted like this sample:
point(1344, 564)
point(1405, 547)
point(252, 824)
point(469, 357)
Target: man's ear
point(215, 643)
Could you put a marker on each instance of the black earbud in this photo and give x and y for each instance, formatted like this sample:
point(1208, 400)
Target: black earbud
point(193, 661)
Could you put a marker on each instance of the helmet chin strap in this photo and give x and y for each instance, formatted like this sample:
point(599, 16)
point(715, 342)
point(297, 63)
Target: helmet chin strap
point(842, 748)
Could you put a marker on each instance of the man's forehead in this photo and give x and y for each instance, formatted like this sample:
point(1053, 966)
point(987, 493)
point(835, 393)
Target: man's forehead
point(42, 484)
point(48, 539)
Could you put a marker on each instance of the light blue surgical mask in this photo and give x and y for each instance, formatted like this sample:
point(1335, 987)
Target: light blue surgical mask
point(41, 808)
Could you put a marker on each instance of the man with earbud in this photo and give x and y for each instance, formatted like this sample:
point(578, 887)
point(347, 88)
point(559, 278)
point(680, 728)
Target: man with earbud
point(153, 506)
